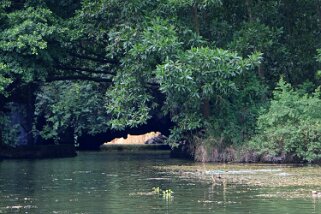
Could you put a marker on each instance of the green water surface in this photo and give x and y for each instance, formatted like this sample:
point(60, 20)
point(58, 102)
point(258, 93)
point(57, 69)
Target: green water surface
point(101, 182)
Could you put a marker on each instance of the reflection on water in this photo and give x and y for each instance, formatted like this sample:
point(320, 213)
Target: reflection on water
point(119, 183)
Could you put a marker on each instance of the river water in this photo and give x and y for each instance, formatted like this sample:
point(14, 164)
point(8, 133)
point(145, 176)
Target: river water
point(98, 182)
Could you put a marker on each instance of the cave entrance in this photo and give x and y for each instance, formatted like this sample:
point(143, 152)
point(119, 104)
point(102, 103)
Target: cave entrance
point(93, 142)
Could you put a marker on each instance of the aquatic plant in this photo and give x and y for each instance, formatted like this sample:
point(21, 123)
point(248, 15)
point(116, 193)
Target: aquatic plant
point(167, 194)
point(157, 190)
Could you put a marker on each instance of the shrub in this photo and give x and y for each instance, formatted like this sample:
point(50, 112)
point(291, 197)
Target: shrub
point(291, 125)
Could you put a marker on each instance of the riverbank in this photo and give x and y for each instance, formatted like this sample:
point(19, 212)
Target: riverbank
point(230, 154)
point(37, 151)
point(197, 153)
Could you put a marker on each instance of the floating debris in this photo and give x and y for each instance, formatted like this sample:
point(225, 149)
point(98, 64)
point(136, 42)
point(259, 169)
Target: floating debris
point(217, 202)
point(215, 172)
point(284, 174)
point(316, 193)
point(155, 179)
point(256, 175)
point(141, 193)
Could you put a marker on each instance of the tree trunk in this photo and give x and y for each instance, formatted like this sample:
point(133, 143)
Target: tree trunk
point(206, 108)
point(318, 8)
point(196, 19)
point(30, 113)
point(0, 137)
point(249, 4)
point(261, 72)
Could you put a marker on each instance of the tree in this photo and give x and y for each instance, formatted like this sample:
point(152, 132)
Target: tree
point(65, 110)
point(190, 59)
point(200, 75)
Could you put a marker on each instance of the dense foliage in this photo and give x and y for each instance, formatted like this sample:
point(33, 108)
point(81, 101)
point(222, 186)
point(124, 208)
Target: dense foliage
point(71, 107)
point(291, 125)
point(199, 85)
point(81, 66)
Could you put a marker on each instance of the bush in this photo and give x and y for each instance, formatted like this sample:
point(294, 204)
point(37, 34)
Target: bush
point(291, 125)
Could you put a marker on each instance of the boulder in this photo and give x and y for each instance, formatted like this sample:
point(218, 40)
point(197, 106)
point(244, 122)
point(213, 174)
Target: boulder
point(151, 137)
point(160, 139)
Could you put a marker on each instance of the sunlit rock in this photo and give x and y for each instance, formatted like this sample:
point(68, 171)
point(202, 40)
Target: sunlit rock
point(148, 138)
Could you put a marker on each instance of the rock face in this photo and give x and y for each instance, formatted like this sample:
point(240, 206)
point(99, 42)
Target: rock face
point(148, 138)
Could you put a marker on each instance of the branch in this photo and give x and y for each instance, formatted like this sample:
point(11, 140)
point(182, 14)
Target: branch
point(86, 78)
point(96, 59)
point(66, 67)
